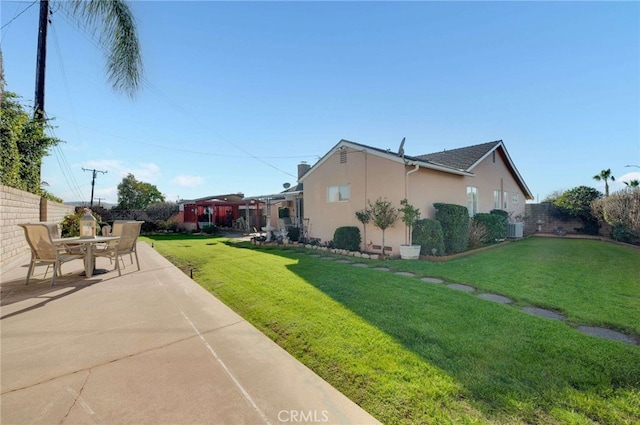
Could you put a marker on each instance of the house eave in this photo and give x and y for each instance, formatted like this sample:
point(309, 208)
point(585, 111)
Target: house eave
point(392, 156)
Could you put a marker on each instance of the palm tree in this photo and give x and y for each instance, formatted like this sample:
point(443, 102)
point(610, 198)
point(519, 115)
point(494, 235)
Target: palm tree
point(118, 35)
point(633, 183)
point(605, 175)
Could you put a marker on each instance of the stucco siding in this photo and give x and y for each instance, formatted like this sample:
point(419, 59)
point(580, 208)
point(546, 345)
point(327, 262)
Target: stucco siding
point(370, 176)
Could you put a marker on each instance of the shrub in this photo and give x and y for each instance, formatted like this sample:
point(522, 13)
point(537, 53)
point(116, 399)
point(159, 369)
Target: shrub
point(428, 234)
point(621, 211)
point(576, 203)
point(347, 237)
point(495, 224)
point(71, 223)
point(455, 226)
point(478, 234)
point(210, 229)
point(503, 213)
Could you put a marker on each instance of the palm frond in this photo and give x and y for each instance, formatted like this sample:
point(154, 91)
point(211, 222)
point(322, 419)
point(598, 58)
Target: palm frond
point(116, 25)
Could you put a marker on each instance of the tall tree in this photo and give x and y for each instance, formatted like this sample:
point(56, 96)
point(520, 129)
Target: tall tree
point(118, 36)
point(137, 195)
point(605, 175)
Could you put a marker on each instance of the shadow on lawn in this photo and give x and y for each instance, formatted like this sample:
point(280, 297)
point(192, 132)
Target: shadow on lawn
point(503, 357)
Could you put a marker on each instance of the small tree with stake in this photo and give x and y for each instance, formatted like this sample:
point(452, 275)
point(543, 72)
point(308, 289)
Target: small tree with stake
point(383, 215)
point(364, 217)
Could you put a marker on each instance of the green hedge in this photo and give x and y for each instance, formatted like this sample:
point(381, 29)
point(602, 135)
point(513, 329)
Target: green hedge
point(496, 225)
point(347, 237)
point(428, 234)
point(455, 226)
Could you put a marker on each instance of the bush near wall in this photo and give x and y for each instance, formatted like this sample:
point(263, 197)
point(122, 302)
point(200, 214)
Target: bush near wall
point(347, 237)
point(496, 225)
point(455, 226)
point(428, 234)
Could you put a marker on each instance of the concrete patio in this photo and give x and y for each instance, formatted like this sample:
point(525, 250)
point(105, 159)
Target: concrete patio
point(150, 347)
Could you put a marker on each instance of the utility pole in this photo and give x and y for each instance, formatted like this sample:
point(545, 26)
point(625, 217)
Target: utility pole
point(100, 199)
point(93, 181)
point(41, 56)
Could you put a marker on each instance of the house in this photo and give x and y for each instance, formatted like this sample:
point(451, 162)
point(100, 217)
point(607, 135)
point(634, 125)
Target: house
point(481, 177)
point(283, 209)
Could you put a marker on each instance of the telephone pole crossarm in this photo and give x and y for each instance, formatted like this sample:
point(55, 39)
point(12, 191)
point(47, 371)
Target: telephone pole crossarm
point(93, 181)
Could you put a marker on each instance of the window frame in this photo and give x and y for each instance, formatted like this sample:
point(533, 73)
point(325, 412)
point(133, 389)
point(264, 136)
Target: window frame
point(339, 190)
point(473, 191)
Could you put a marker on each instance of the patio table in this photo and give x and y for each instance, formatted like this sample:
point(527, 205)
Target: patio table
point(87, 244)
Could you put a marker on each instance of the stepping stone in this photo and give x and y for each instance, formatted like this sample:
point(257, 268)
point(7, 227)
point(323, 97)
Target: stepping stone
point(382, 269)
point(607, 334)
point(359, 265)
point(432, 280)
point(543, 313)
point(344, 261)
point(315, 255)
point(461, 287)
point(407, 274)
point(326, 258)
point(496, 298)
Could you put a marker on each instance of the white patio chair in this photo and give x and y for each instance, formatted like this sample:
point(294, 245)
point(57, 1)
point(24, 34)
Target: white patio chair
point(114, 250)
point(44, 251)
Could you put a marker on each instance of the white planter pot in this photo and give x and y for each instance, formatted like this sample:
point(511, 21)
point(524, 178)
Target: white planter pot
point(409, 252)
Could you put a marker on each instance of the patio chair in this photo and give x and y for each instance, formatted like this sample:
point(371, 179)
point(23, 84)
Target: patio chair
point(43, 250)
point(128, 232)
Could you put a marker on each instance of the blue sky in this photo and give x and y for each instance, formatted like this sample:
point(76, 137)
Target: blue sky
point(236, 94)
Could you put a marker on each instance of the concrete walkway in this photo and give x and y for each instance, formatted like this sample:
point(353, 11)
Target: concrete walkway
point(150, 347)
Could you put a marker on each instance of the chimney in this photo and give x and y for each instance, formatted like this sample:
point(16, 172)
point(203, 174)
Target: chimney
point(303, 167)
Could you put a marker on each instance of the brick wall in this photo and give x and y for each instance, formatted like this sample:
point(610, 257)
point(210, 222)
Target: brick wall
point(17, 207)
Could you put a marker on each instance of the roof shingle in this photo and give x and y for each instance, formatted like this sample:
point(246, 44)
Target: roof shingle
point(461, 158)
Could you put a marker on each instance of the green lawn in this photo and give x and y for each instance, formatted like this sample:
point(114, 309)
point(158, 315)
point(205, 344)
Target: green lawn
point(413, 352)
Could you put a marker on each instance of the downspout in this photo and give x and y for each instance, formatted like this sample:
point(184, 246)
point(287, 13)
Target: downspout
point(406, 180)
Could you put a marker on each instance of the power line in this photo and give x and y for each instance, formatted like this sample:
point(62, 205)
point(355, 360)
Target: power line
point(18, 15)
point(155, 90)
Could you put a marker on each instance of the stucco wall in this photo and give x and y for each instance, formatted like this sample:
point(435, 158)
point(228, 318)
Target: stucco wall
point(17, 207)
point(370, 176)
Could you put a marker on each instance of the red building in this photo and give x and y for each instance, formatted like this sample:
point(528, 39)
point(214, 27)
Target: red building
point(228, 211)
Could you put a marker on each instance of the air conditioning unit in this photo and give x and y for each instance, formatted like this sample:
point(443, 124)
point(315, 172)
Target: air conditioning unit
point(515, 230)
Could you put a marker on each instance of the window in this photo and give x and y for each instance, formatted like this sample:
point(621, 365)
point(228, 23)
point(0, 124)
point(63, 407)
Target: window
point(505, 201)
point(496, 200)
point(338, 193)
point(472, 200)
point(515, 198)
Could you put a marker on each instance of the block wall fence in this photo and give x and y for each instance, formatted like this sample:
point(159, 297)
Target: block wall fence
point(17, 207)
point(543, 212)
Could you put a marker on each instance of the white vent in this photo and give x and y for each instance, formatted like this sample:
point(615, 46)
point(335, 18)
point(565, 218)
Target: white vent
point(515, 230)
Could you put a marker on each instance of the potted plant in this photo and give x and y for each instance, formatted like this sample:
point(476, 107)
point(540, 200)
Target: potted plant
point(383, 215)
point(410, 215)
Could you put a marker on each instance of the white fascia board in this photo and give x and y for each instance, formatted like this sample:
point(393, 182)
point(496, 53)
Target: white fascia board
point(276, 196)
point(512, 166)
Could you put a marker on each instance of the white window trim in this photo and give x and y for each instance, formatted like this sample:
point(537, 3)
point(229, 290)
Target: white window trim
point(338, 187)
point(473, 191)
